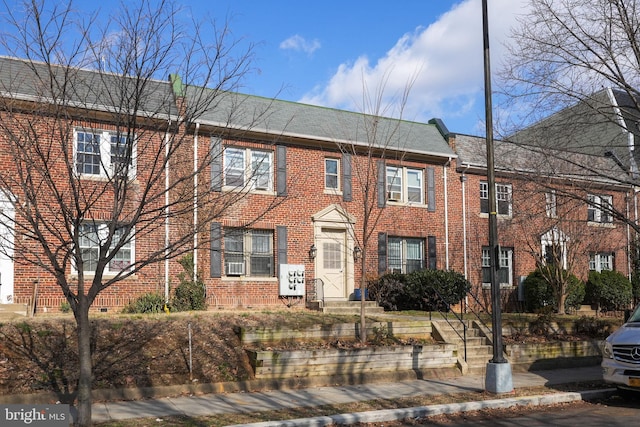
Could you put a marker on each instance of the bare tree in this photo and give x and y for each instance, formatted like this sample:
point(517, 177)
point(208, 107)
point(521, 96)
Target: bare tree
point(79, 195)
point(378, 135)
point(570, 86)
point(570, 83)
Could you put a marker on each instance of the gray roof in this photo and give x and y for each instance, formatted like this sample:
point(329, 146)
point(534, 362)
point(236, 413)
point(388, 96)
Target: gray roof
point(597, 125)
point(86, 89)
point(510, 157)
point(314, 123)
point(101, 91)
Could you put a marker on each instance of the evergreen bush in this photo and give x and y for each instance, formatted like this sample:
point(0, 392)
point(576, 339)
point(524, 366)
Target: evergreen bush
point(190, 294)
point(152, 302)
point(610, 290)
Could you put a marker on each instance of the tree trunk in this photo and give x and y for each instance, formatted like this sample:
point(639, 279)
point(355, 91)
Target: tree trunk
point(561, 299)
point(363, 291)
point(84, 357)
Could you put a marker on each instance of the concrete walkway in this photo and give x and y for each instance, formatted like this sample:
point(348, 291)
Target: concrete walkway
point(226, 403)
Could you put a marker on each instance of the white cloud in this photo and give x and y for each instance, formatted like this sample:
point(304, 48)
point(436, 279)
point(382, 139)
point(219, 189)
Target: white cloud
point(445, 59)
point(300, 44)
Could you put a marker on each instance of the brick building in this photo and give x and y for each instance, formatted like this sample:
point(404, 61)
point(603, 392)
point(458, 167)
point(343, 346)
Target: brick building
point(261, 190)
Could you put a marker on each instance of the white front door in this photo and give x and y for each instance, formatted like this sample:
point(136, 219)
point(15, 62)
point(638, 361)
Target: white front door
point(331, 263)
point(7, 214)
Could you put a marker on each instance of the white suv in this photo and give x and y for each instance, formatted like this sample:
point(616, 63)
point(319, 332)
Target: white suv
point(621, 355)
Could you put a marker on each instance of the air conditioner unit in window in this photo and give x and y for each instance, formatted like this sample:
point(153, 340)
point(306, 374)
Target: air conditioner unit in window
point(235, 268)
point(395, 196)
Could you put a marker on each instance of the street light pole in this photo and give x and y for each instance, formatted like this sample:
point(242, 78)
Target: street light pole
point(498, 375)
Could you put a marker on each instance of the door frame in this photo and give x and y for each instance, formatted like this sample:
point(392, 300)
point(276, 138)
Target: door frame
point(336, 218)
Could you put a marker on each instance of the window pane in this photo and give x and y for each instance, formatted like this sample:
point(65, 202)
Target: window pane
point(88, 153)
point(394, 254)
point(394, 180)
point(261, 169)
point(332, 255)
point(123, 258)
point(414, 186)
point(234, 167)
point(331, 173)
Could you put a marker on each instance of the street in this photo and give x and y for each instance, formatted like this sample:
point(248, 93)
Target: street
point(613, 412)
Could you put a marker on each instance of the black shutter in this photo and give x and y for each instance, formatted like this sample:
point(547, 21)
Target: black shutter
point(281, 235)
point(382, 188)
point(432, 257)
point(347, 195)
point(431, 190)
point(216, 164)
point(215, 257)
point(382, 253)
point(281, 170)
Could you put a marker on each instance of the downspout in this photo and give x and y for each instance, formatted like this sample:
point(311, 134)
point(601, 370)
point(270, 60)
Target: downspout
point(167, 183)
point(195, 202)
point(463, 179)
point(446, 214)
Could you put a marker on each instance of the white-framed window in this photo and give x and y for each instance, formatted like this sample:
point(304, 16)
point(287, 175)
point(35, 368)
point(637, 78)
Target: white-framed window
point(104, 153)
point(599, 208)
point(405, 184)
point(92, 235)
point(503, 198)
point(600, 261)
point(553, 245)
point(551, 204)
point(248, 168)
point(248, 252)
point(331, 174)
point(405, 254)
point(504, 274)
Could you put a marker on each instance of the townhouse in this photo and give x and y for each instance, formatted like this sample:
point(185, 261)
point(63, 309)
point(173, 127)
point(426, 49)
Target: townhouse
point(284, 203)
point(549, 210)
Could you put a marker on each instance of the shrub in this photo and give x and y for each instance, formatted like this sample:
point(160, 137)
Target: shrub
point(415, 291)
point(537, 292)
point(437, 289)
point(610, 290)
point(388, 290)
point(575, 294)
point(148, 303)
point(190, 294)
point(539, 296)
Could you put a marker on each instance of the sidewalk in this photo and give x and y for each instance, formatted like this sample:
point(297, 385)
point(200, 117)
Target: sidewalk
point(213, 404)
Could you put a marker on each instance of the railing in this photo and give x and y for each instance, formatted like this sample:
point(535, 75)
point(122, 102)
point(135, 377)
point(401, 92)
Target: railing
point(459, 317)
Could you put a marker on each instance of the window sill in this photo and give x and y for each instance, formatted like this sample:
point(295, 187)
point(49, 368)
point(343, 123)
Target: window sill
point(333, 192)
point(102, 178)
point(228, 189)
point(502, 286)
point(408, 204)
point(601, 224)
point(499, 216)
point(74, 276)
point(249, 279)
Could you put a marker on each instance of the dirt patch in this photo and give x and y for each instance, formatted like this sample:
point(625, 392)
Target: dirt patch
point(40, 354)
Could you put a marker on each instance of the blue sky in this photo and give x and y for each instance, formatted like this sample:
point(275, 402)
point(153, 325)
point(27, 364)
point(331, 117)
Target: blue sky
point(320, 52)
point(325, 52)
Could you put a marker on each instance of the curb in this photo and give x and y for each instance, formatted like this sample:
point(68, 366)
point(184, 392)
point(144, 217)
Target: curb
point(386, 415)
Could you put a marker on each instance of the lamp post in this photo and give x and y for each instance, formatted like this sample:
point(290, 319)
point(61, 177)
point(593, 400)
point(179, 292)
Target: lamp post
point(498, 375)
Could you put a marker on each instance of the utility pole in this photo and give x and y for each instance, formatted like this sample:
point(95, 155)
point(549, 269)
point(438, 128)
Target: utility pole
point(498, 375)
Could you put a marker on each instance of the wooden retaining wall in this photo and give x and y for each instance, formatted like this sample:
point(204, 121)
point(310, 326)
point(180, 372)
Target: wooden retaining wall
point(352, 361)
point(525, 357)
point(420, 329)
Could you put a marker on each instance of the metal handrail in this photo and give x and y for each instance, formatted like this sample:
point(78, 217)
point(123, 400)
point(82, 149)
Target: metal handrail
point(463, 337)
